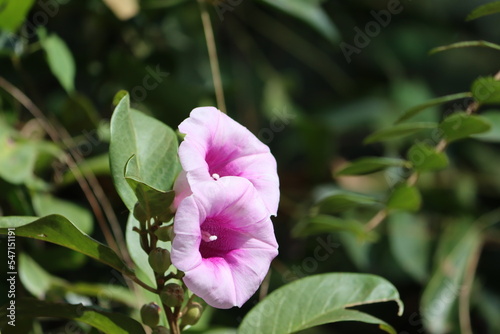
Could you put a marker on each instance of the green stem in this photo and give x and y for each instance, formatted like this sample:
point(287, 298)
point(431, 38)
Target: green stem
point(212, 54)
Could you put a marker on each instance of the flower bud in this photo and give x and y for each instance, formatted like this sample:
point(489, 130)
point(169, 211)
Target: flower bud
point(165, 233)
point(161, 330)
point(193, 314)
point(159, 260)
point(139, 213)
point(172, 295)
point(150, 314)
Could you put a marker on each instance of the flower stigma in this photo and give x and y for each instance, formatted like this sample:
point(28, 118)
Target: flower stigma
point(207, 237)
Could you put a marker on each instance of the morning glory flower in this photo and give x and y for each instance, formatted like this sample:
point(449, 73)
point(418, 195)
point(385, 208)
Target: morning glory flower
point(216, 146)
point(224, 241)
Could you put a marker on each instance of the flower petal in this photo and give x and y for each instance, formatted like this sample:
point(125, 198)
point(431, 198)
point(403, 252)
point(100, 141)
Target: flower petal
point(185, 254)
point(212, 281)
point(248, 269)
point(220, 147)
point(226, 271)
point(181, 189)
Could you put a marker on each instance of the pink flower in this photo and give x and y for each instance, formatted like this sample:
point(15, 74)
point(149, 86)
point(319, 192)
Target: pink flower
point(215, 146)
point(224, 241)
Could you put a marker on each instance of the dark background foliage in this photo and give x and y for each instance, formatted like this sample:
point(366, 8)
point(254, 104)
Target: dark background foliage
point(293, 86)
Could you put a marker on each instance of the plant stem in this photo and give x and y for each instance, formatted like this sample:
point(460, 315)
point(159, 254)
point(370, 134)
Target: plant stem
point(212, 54)
point(141, 283)
point(464, 298)
point(172, 321)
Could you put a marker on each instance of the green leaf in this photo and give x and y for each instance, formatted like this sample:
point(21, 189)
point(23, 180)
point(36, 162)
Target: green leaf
point(17, 160)
point(153, 143)
point(108, 322)
point(421, 107)
point(104, 291)
point(344, 201)
point(486, 90)
point(357, 249)
point(370, 165)
point(399, 131)
point(424, 157)
point(317, 300)
point(459, 241)
point(153, 203)
point(45, 204)
point(487, 9)
point(465, 44)
point(410, 244)
point(493, 135)
point(327, 224)
point(59, 230)
point(60, 60)
point(310, 12)
point(39, 282)
point(404, 197)
point(34, 278)
point(460, 125)
point(13, 13)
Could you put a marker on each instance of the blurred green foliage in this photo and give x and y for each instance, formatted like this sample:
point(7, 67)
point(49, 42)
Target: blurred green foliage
point(287, 79)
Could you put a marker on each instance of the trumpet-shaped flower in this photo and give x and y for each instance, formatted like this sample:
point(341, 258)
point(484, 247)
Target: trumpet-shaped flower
point(216, 146)
point(224, 241)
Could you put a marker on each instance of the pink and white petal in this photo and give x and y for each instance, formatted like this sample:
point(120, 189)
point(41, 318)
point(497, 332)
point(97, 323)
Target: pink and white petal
point(181, 189)
point(248, 271)
point(228, 199)
point(209, 126)
point(185, 246)
point(268, 188)
point(257, 236)
point(192, 155)
point(245, 207)
point(261, 171)
point(212, 281)
point(233, 132)
point(201, 124)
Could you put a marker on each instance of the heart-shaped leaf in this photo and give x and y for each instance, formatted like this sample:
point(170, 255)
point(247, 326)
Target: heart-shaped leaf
point(153, 143)
point(317, 300)
point(153, 203)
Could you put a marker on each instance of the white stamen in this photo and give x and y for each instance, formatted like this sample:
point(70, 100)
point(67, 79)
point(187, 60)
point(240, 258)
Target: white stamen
point(207, 237)
point(215, 176)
